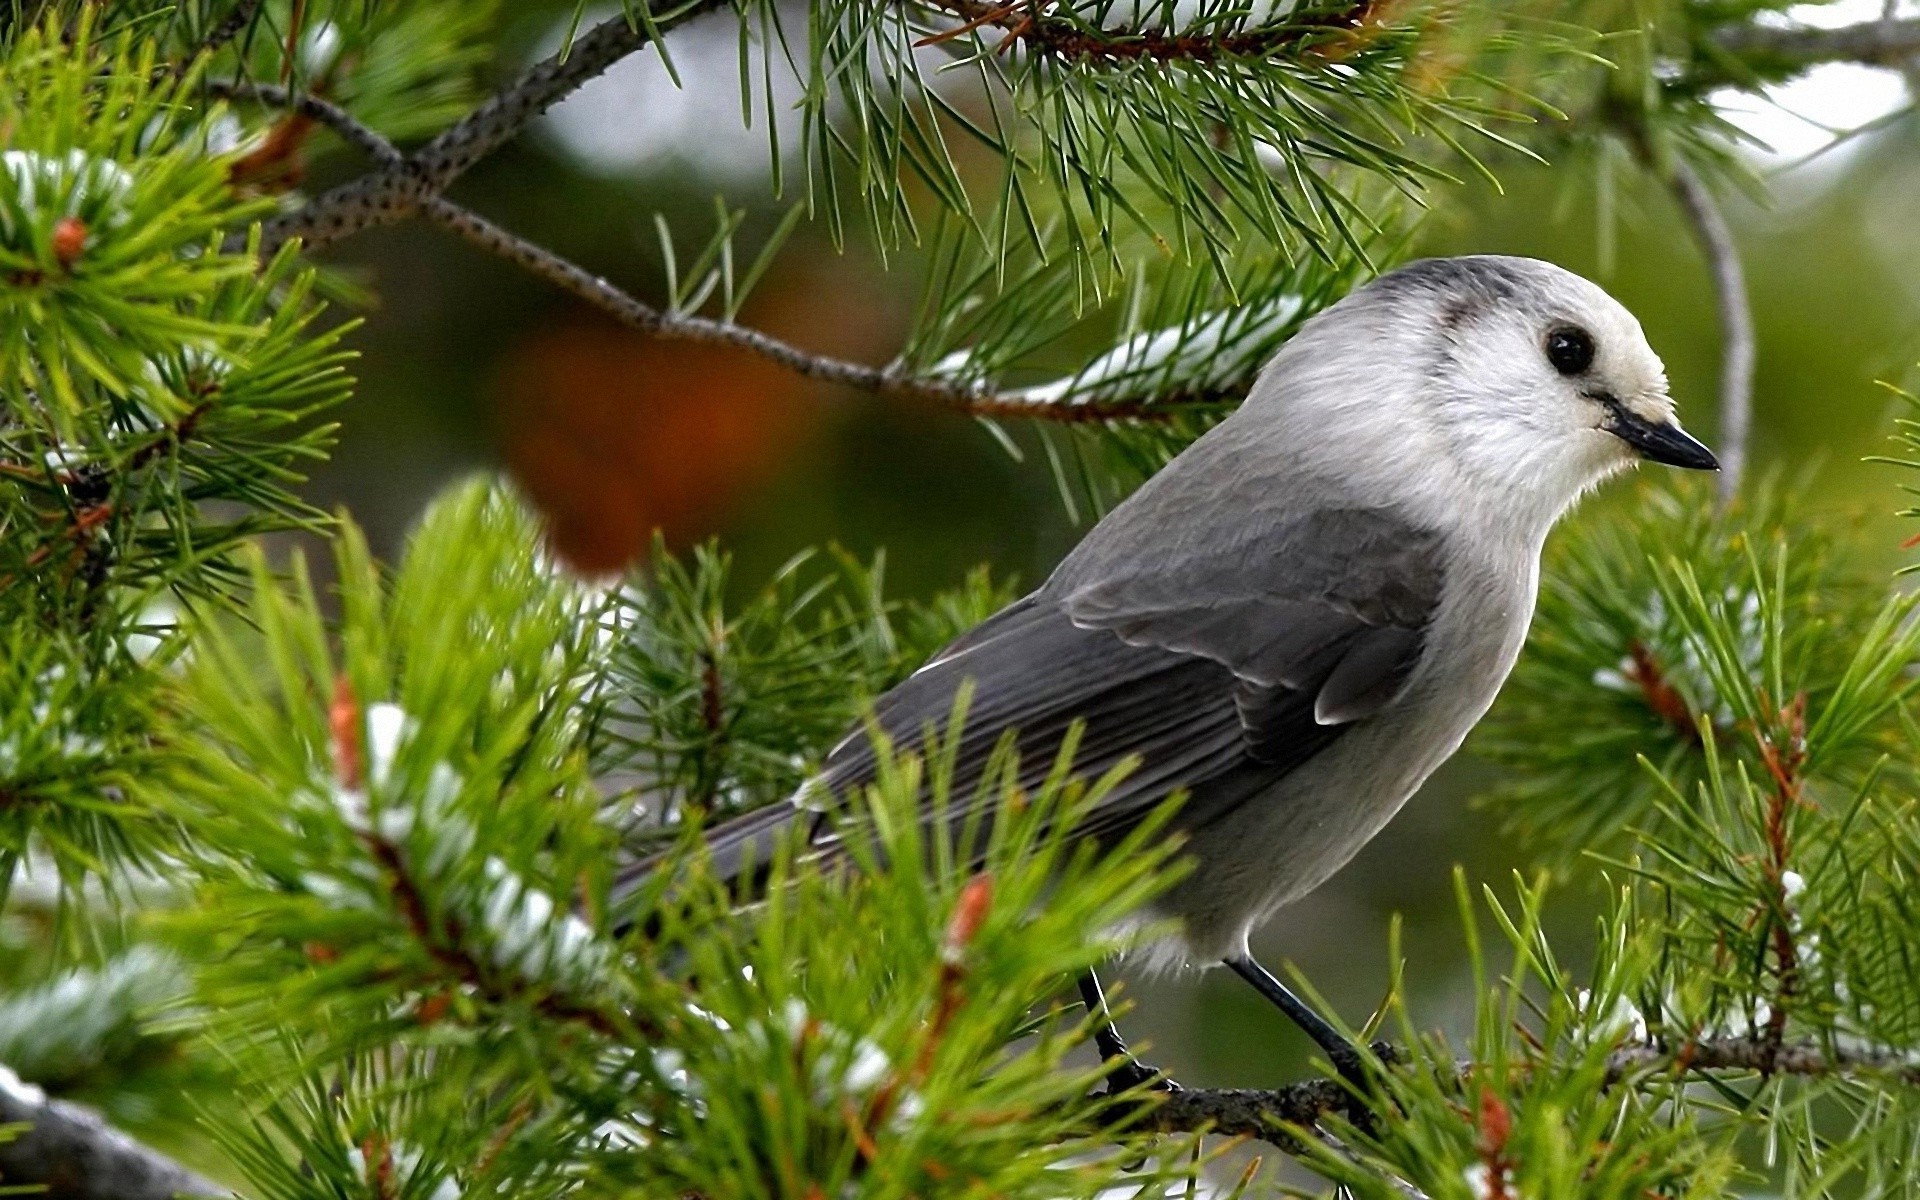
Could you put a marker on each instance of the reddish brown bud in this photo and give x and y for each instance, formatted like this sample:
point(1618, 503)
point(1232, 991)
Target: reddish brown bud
point(378, 1156)
point(430, 1010)
point(969, 913)
point(69, 240)
point(320, 953)
point(343, 720)
point(1496, 1124)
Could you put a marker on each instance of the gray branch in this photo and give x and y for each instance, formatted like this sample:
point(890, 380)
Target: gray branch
point(362, 137)
point(75, 1155)
point(1736, 323)
point(1889, 43)
point(888, 381)
point(395, 191)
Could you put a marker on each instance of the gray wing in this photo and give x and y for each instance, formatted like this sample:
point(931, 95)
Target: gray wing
point(1199, 665)
point(1255, 657)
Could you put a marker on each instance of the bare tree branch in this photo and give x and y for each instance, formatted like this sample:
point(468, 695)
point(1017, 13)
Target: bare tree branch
point(1885, 43)
point(75, 1155)
point(365, 139)
point(396, 191)
point(691, 327)
point(1736, 323)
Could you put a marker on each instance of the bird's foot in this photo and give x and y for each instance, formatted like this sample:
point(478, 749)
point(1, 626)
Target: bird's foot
point(1362, 1081)
point(1129, 1074)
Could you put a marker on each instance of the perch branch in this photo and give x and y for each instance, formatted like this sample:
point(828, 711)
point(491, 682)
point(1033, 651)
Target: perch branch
point(1736, 323)
point(78, 1156)
point(1259, 1113)
point(75, 1155)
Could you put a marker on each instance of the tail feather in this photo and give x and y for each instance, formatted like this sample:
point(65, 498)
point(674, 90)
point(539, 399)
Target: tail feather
point(739, 850)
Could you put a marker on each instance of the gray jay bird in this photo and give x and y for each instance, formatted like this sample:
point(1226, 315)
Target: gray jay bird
point(1303, 614)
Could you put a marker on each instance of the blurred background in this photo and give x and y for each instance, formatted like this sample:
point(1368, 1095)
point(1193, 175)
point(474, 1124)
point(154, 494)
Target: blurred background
point(469, 364)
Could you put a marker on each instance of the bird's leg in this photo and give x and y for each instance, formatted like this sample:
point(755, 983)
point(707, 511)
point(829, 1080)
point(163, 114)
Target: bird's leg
point(1345, 1055)
point(1127, 1071)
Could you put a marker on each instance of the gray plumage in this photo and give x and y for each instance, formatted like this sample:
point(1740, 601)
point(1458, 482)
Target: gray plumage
point(1302, 615)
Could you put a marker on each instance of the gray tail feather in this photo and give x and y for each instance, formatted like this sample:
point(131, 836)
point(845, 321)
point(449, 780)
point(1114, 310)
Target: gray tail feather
point(739, 851)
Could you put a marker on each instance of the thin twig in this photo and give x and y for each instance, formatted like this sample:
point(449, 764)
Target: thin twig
point(75, 1155)
point(1079, 42)
point(397, 189)
point(228, 28)
point(887, 381)
point(1736, 323)
point(360, 136)
point(81, 1157)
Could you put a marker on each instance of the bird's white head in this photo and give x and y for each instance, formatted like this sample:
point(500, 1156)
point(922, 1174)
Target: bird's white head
point(1507, 381)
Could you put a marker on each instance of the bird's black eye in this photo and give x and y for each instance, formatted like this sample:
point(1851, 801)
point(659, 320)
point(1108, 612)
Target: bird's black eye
point(1570, 350)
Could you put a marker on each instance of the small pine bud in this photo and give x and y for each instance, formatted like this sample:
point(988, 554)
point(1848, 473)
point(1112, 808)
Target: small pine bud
point(319, 953)
point(1496, 1124)
point(69, 240)
point(430, 1010)
point(969, 913)
point(378, 1157)
point(343, 721)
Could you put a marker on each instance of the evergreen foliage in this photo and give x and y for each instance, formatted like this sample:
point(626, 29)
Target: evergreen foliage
point(347, 849)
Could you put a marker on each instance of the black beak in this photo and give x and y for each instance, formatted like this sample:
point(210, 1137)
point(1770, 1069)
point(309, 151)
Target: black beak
point(1659, 443)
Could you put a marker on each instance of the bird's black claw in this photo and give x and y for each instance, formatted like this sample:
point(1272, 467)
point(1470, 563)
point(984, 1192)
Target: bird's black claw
point(1129, 1075)
point(1354, 1071)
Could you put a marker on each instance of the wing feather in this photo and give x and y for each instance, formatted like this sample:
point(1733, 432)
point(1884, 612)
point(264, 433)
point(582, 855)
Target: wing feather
point(1204, 665)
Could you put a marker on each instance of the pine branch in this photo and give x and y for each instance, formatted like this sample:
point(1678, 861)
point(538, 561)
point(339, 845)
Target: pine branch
point(75, 1155)
point(1873, 43)
point(397, 190)
point(1259, 1112)
point(1078, 42)
point(1736, 319)
point(443, 942)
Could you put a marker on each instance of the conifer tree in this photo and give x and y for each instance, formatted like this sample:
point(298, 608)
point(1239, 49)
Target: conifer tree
point(314, 880)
